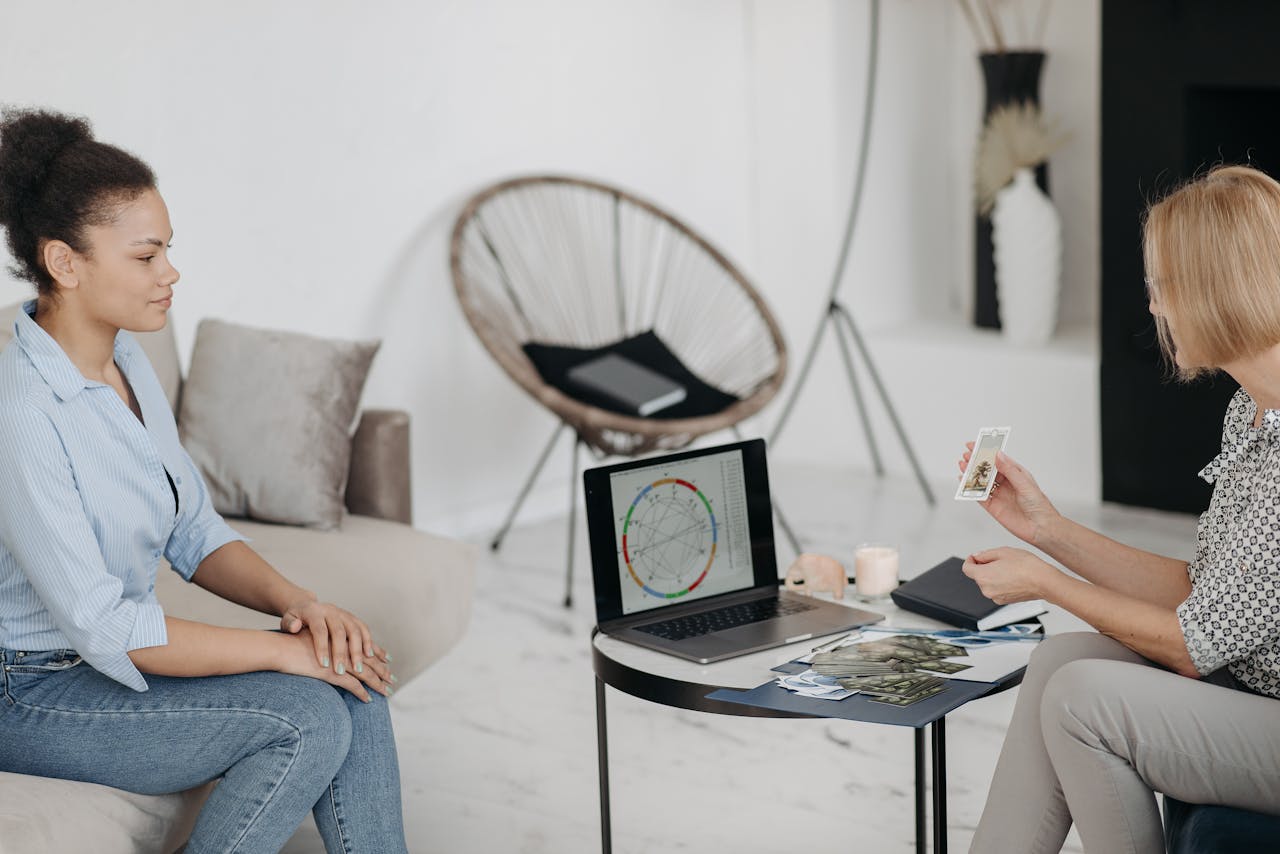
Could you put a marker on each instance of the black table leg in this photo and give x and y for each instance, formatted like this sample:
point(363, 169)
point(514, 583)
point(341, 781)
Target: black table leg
point(920, 831)
point(940, 786)
point(602, 755)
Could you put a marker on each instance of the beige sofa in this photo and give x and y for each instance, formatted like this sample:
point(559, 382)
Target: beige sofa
point(414, 589)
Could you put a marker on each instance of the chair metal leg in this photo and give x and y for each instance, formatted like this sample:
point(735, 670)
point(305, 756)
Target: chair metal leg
point(573, 519)
point(857, 396)
point(837, 314)
point(884, 396)
point(524, 491)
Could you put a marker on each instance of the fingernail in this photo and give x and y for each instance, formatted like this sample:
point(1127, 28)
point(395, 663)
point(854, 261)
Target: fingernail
point(341, 670)
point(387, 657)
point(324, 662)
point(390, 690)
point(359, 667)
point(394, 678)
point(367, 698)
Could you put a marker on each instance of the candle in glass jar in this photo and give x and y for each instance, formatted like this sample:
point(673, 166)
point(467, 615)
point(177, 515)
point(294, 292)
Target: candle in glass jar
point(875, 570)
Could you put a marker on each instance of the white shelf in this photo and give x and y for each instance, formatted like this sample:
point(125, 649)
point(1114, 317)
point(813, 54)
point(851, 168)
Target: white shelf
point(1076, 341)
point(946, 380)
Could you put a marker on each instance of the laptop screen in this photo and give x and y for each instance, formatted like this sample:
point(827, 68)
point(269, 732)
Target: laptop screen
point(682, 532)
point(679, 528)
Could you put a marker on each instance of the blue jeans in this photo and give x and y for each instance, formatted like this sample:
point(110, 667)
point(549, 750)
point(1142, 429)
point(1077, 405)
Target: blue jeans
point(283, 745)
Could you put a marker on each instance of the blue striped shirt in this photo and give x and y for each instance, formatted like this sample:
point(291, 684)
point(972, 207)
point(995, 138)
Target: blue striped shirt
point(86, 505)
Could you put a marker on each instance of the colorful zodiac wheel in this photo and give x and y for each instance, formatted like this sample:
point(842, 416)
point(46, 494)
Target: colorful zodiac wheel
point(669, 538)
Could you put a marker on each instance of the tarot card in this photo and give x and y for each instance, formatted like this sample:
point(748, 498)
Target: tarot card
point(939, 649)
point(915, 698)
point(897, 685)
point(883, 650)
point(980, 475)
point(851, 667)
point(942, 666)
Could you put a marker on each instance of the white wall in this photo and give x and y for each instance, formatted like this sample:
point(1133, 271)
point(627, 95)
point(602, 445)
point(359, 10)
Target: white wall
point(912, 255)
point(314, 155)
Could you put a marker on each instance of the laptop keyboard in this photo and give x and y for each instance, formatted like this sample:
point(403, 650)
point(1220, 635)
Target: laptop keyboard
point(731, 616)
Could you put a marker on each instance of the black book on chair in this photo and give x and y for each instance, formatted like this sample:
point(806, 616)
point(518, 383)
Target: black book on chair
point(629, 383)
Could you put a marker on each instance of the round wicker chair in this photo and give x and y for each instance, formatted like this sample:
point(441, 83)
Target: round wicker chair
point(551, 267)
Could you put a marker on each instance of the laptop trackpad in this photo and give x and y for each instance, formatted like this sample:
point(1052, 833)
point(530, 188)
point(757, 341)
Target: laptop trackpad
point(767, 631)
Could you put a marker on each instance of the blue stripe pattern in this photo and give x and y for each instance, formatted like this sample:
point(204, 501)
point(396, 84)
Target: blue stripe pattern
point(86, 508)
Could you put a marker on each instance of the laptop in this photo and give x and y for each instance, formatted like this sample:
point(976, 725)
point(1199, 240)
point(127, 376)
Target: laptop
point(682, 557)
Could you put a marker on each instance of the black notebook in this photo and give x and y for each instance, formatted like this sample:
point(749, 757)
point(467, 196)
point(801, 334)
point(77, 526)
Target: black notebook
point(945, 593)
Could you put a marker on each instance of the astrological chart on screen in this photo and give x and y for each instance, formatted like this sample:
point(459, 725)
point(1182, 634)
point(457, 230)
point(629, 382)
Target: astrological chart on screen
point(681, 530)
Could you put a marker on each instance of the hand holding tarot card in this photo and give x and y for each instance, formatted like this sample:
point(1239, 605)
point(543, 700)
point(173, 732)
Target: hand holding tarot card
point(980, 475)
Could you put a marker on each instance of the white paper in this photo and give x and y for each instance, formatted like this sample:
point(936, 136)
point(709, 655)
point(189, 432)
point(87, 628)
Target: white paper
point(987, 663)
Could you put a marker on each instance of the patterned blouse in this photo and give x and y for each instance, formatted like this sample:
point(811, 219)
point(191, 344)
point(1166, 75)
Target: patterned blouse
point(1232, 616)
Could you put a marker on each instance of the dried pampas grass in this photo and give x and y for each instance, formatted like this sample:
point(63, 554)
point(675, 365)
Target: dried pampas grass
point(1015, 135)
point(996, 23)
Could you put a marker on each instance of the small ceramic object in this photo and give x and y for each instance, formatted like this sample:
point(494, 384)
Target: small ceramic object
point(815, 573)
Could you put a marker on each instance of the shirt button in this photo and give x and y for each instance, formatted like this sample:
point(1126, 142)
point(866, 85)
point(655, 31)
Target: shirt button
point(177, 480)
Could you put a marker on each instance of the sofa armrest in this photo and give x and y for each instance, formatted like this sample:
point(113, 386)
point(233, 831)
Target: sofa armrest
point(378, 479)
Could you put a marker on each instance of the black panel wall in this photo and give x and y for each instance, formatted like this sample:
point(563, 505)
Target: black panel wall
point(1185, 85)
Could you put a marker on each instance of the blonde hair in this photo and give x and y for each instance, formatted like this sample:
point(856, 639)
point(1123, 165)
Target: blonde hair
point(1212, 255)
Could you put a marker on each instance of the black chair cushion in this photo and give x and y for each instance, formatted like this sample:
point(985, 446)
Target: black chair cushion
point(554, 362)
point(1200, 829)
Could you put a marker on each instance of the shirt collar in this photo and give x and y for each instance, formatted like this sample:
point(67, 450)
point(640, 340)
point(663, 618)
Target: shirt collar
point(1271, 423)
point(1270, 426)
point(1239, 433)
point(52, 363)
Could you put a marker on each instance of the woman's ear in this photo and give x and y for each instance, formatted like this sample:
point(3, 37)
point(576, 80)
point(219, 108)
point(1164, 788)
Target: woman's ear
point(60, 260)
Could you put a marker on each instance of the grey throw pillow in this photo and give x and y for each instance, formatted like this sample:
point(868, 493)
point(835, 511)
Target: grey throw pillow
point(267, 417)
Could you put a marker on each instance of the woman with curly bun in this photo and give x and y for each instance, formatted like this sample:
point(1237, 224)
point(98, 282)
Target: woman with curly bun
point(1177, 690)
point(98, 684)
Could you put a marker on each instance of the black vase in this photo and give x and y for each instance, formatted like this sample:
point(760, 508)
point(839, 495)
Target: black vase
point(1011, 77)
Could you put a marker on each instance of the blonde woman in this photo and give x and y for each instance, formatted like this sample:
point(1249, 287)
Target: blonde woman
point(1176, 693)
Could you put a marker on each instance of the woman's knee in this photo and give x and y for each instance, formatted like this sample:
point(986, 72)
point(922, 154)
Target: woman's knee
point(318, 719)
point(1068, 685)
point(1056, 651)
point(1085, 698)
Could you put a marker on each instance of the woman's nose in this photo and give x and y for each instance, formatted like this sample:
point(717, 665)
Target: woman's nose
point(172, 276)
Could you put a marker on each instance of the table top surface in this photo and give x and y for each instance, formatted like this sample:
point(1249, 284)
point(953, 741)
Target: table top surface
point(745, 671)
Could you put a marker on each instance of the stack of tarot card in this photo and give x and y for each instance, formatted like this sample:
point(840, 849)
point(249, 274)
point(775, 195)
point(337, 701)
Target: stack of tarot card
point(898, 670)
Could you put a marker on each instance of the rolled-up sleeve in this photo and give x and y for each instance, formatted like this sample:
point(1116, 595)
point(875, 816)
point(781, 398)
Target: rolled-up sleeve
point(44, 528)
point(200, 529)
point(1234, 606)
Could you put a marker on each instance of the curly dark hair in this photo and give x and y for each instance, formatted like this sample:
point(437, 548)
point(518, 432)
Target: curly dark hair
point(55, 180)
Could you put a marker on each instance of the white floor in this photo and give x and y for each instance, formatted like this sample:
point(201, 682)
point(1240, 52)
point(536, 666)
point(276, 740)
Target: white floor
point(498, 740)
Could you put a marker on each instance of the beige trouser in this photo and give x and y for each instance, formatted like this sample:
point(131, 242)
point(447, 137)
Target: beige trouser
point(1097, 728)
